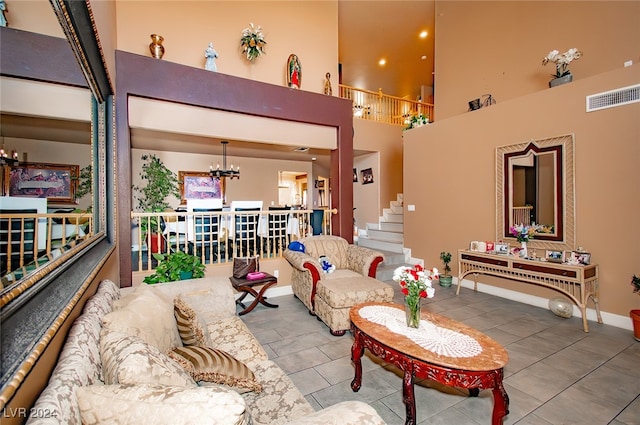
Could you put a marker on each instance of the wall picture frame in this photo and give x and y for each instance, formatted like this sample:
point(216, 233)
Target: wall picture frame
point(55, 182)
point(200, 185)
point(367, 176)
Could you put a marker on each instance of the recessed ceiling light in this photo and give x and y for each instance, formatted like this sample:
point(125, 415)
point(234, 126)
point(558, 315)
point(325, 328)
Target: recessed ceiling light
point(313, 158)
point(424, 34)
point(382, 62)
point(423, 57)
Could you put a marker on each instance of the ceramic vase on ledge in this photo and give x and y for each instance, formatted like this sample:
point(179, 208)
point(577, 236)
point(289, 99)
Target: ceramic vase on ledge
point(156, 48)
point(561, 80)
point(412, 311)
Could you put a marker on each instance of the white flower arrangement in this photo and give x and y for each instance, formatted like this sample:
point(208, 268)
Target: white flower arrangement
point(417, 121)
point(562, 61)
point(252, 42)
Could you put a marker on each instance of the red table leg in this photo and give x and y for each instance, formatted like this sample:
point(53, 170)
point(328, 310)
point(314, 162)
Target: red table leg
point(357, 350)
point(408, 395)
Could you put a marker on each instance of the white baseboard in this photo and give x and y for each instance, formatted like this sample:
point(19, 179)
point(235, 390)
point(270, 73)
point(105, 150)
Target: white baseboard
point(616, 320)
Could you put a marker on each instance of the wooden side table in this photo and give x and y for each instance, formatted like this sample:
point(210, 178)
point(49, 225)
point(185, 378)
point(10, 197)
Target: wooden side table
point(246, 287)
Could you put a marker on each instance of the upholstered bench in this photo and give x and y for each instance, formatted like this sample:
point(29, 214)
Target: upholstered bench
point(336, 295)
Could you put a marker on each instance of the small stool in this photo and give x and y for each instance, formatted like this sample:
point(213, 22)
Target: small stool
point(246, 287)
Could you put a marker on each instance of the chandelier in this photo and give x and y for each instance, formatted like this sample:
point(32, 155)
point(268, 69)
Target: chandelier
point(5, 159)
point(217, 172)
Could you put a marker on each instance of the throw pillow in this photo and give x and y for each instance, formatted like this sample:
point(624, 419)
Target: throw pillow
point(127, 359)
point(189, 327)
point(211, 304)
point(160, 405)
point(242, 266)
point(148, 315)
point(213, 365)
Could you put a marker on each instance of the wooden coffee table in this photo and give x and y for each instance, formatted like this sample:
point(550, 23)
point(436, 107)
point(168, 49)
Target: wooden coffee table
point(480, 372)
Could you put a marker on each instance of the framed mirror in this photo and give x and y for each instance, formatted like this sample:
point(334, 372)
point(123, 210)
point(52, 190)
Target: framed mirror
point(535, 186)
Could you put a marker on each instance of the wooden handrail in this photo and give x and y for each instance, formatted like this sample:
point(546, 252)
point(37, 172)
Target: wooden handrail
point(378, 106)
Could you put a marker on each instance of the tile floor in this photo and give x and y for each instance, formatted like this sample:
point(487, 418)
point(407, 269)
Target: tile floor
point(556, 374)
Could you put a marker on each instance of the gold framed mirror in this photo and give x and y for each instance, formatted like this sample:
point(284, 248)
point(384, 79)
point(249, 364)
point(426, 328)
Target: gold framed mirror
point(535, 186)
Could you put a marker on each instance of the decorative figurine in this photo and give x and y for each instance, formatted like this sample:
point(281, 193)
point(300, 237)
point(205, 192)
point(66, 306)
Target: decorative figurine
point(328, 91)
point(211, 55)
point(294, 72)
point(3, 8)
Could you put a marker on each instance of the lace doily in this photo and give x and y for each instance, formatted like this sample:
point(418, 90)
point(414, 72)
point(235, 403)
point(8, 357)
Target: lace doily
point(434, 338)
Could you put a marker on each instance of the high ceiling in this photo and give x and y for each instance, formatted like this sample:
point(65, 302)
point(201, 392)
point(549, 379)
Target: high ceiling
point(372, 30)
point(367, 32)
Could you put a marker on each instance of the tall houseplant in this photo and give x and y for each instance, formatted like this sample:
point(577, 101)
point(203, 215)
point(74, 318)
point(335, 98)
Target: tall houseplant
point(160, 182)
point(446, 278)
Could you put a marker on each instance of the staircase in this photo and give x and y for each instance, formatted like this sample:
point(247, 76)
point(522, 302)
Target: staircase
point(387, 236)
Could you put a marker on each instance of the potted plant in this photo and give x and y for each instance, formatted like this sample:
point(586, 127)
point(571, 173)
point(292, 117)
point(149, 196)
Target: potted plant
point(635, 314)
point(152, 197)
point(176, 266)
point(417, 121)
point(446, 278)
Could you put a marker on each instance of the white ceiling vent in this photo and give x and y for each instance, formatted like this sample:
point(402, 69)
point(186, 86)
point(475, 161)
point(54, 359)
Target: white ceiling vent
point(617, 97)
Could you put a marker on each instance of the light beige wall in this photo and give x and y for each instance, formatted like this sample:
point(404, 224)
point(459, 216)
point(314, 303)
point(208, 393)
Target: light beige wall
point(370, 136)
point(258, 181)
point(307, 29)
point(34, 16)
point(455, 196)
point(497, 46)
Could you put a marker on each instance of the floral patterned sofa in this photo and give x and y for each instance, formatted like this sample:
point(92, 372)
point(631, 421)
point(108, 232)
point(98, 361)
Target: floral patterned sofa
point(174, 354)
point(349, 281)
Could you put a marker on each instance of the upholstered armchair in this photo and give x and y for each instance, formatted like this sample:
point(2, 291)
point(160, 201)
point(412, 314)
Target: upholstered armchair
point(330, 295)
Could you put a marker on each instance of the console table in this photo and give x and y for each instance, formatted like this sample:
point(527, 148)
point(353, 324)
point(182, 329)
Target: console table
point(577, 282)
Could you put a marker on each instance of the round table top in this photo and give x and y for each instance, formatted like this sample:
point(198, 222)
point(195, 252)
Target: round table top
point(492, 357)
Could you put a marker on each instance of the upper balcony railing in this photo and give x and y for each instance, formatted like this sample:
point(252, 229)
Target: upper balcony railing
point(376, 106)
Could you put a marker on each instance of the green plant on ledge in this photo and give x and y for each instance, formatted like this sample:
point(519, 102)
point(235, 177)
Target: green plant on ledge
point(176, 266)
point(417, 121)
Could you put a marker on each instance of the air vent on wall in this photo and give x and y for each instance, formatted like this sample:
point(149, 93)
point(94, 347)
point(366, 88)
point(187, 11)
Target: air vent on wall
point(611, 98)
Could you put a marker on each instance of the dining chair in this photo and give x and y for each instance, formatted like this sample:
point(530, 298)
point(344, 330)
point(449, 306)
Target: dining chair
point(206, 235)
point(245, 234)
point(275, 239)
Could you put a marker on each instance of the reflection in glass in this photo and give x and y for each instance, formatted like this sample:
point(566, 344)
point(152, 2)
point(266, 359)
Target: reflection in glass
point(534, 185)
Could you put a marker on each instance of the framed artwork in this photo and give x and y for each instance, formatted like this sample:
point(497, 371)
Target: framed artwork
point(199, 185)
point(583, 258)
point(55, 182)
point(554, 256)
point(355, 175)
point(367, 176)
point(501, 248)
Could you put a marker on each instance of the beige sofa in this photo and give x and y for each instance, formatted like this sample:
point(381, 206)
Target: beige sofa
point(331, 295)
point(124, 362)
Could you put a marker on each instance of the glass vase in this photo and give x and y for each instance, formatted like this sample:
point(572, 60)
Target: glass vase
point(523, 249)
point(412, 310)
